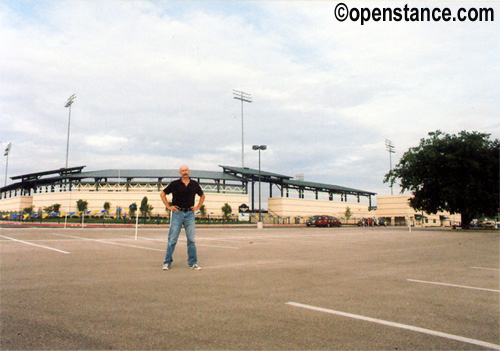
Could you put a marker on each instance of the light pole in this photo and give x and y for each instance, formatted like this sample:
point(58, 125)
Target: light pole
point(7, 150)
point(243, 97)
point(68, 104)
point(390, 148)
point(259, 147)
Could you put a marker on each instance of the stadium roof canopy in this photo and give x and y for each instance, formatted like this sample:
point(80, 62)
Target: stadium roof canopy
point(250, 174)
point(65, 178)
point(286, 183)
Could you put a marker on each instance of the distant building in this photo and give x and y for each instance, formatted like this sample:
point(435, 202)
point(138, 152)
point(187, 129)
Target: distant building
point(395, 209)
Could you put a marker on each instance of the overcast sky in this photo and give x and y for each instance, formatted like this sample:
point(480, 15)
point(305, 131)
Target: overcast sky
point(154, 82)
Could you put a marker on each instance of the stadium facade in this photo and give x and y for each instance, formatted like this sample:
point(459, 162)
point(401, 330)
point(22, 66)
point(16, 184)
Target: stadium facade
point(233, 185)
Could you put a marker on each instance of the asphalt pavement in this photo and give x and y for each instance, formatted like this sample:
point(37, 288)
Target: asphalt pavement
point(271, 289)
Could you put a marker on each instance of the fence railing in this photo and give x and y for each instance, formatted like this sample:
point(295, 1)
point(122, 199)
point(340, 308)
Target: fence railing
point(96, 217)
point(58, 218)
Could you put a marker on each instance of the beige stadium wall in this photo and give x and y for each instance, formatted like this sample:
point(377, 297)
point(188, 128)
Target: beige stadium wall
point(96, 200)
point(15, 204)
point(398, 206)
point(387, 206)
point(288, 207)
point(394, 206)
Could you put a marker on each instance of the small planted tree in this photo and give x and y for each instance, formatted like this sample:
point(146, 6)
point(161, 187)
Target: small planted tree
point(56, 208)
point(348, 213)
point(106, 207)
point(226, 210)
point(132, 209)
point(203, 211)
point(28, 210)
point(145, 208)
point(82, 205)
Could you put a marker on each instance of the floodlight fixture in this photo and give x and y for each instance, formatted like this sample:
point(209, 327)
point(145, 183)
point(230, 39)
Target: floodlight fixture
point(70, 100)
point(243, 97)
point(389, 146)
point(7, 149)
point(6, 153)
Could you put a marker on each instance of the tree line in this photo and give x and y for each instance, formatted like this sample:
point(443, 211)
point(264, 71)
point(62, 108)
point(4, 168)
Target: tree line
point(145, 208)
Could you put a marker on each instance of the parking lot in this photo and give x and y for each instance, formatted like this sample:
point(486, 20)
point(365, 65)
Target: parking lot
point(272, 289)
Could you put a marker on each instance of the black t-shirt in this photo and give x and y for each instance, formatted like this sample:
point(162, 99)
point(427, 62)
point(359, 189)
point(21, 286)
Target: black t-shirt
point(183, 196)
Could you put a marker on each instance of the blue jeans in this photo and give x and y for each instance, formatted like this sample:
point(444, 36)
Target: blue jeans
point(178, 219)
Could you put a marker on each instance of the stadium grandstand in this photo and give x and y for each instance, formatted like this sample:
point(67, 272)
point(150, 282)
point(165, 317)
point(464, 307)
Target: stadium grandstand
point(233, 185)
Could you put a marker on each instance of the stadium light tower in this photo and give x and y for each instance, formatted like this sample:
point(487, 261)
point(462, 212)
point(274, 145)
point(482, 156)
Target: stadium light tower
point(390, 148)
point(68, 104)
point(259, 147)
point(7, 151)
point(243, 97)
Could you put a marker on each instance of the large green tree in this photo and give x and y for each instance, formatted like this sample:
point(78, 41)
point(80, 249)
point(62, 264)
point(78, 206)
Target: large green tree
point(454, 173)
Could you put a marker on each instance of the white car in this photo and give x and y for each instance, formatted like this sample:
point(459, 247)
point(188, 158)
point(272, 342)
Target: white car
point(490, 224)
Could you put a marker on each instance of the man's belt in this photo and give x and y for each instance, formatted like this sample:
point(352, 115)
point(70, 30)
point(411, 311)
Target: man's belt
point(184, 209)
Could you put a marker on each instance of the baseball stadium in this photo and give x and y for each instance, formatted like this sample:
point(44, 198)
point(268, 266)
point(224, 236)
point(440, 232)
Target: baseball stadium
point(288, 200)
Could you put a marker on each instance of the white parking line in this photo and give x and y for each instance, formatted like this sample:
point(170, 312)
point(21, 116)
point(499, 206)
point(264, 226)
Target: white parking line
point(219, 246)
point(399, 325)
point(42, 246)
point(109, 242)
point(152, 239)
point(243, 264)
point(47, 240)
point(222, 240)
point(488, 269)
point(452, 285)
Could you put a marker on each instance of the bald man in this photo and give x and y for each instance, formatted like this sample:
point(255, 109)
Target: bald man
point(183, 192)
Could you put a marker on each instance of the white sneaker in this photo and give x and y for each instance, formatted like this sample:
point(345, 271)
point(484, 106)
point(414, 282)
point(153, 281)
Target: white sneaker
point(195, 267)
point(166, 267)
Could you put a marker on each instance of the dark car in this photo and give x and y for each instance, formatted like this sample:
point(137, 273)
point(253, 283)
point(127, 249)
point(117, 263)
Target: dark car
point(327, 221)
point(310, 220)
point(368, 222)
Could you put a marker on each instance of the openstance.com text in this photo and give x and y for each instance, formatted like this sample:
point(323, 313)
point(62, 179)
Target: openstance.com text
point(412, 14)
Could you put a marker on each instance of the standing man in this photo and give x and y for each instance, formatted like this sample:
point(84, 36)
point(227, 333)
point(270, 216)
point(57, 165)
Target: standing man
point(183, 208)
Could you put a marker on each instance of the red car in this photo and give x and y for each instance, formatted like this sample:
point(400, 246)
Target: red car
point(326, 221)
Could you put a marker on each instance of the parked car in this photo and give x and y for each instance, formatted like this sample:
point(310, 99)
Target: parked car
point(490, 224)
point(483, 223)
point(310, 220)
point(368, 222)
point(327, 221)
point(383, 222)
